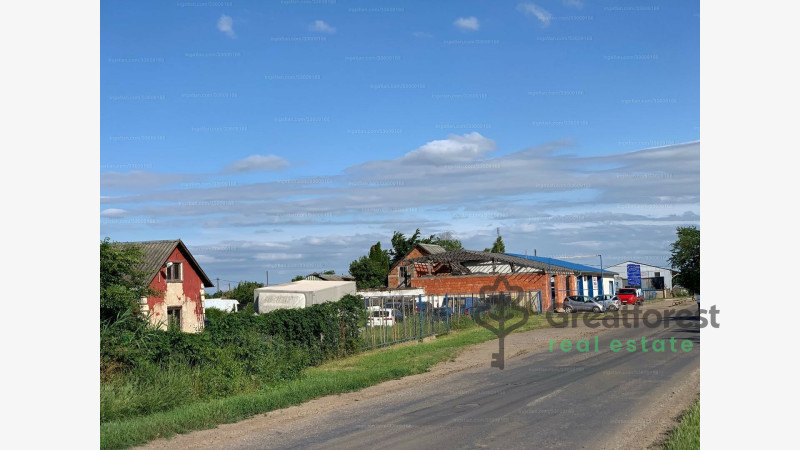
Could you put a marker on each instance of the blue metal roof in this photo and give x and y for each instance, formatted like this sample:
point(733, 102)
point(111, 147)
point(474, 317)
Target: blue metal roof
point(561, 263)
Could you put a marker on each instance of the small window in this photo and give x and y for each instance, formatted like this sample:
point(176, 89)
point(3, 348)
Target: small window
point(174, 272)
point(658, 274)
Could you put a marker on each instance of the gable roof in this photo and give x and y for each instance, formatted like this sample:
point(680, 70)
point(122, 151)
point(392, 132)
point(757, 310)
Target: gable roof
point(156, 254)
point(432, 249)
point(456, 258)
point(581, 268)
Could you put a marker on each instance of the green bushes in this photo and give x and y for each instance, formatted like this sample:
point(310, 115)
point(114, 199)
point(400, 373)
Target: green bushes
point(144, 370)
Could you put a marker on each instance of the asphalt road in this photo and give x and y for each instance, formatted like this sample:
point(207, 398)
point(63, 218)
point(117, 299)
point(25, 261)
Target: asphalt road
point(545, 399)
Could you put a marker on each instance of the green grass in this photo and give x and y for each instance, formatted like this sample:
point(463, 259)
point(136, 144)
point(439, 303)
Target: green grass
point(338, 376)
point(687, 434)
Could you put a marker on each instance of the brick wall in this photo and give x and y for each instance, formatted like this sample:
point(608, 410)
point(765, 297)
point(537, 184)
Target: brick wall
point(394, 274)
point(440, 285)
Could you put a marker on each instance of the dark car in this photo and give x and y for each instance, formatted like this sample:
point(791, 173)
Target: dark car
point(426, 307)
point(441, 313)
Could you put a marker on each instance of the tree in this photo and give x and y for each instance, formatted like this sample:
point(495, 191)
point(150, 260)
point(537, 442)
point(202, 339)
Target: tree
point(686, 258)
point(497, 247)
point(445, 240)
point(402, 245)
point(122, 283)
point(298, 278)
point(372, 270)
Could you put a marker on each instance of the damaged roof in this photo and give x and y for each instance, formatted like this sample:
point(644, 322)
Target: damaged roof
point(456, 259)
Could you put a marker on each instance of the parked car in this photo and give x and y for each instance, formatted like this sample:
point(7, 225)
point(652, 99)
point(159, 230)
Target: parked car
point(611, 302)
point(469, 303)
point(575, 303)
point(406, 307)
point(441, 313)
point(384, 317)
point(628, 296)
point(426, 307)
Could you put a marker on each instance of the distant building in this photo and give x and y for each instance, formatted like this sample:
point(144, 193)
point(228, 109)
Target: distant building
point(171, 269)
point(473, 272)
point(588, 280)
point(652, 277)
point(329, 277)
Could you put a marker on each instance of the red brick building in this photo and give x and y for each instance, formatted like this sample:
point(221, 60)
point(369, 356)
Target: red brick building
point(468, 271)
point(399, 275)
point(173, 271)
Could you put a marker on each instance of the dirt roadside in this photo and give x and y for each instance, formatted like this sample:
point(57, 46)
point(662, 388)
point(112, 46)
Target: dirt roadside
point(652, 428)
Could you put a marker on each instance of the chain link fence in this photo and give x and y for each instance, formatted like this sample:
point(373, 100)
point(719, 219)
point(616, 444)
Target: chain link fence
point(400, 318)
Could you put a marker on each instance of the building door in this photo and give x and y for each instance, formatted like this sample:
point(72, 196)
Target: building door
point(174, 317)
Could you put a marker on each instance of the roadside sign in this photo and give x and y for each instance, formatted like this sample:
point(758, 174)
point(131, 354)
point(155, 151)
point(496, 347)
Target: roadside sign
point(634, 275)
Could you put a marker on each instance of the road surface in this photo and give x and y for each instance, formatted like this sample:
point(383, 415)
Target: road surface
point(543, 398)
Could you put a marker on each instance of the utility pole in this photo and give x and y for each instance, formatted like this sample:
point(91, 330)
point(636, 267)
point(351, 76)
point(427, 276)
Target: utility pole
point(267, 278)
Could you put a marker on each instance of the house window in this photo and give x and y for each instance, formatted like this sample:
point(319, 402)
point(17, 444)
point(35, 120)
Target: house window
point(174, 272)
point(174, 318)
point(658, 274)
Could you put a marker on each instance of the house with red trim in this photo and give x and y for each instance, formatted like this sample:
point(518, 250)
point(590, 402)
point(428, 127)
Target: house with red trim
point(173, 271)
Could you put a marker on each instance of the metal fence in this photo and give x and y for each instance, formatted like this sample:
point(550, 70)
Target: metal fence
point(414, 317)
point(650, 293)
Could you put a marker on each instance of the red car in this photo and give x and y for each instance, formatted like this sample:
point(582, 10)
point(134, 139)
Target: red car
point(627, 296)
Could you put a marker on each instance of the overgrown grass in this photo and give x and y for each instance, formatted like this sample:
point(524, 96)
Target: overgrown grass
point(687, 434)
point(337, 376)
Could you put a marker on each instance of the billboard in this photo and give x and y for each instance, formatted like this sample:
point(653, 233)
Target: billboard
point(634, 275)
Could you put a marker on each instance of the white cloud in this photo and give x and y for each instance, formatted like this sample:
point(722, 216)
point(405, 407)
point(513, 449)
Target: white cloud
point(113, 212)
point(454, 149)
point(257, 163)
point(574, 3)
point(539, 12)
point(321, 27)
point(225, 24)
point(467, 23)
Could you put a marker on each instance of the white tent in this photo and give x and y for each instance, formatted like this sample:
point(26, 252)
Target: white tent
point(300, 294)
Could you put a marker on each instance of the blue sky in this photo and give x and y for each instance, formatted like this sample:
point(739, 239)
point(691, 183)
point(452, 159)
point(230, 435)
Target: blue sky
point(289, 136)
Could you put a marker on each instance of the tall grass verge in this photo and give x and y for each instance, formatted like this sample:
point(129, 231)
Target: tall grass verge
point(334, 377)
point(687, 434)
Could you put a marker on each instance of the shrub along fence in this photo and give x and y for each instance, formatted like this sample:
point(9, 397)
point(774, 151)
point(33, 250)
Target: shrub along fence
point(144, 370)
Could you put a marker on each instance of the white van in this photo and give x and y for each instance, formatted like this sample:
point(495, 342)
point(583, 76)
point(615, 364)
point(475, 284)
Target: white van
point(383, 317)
